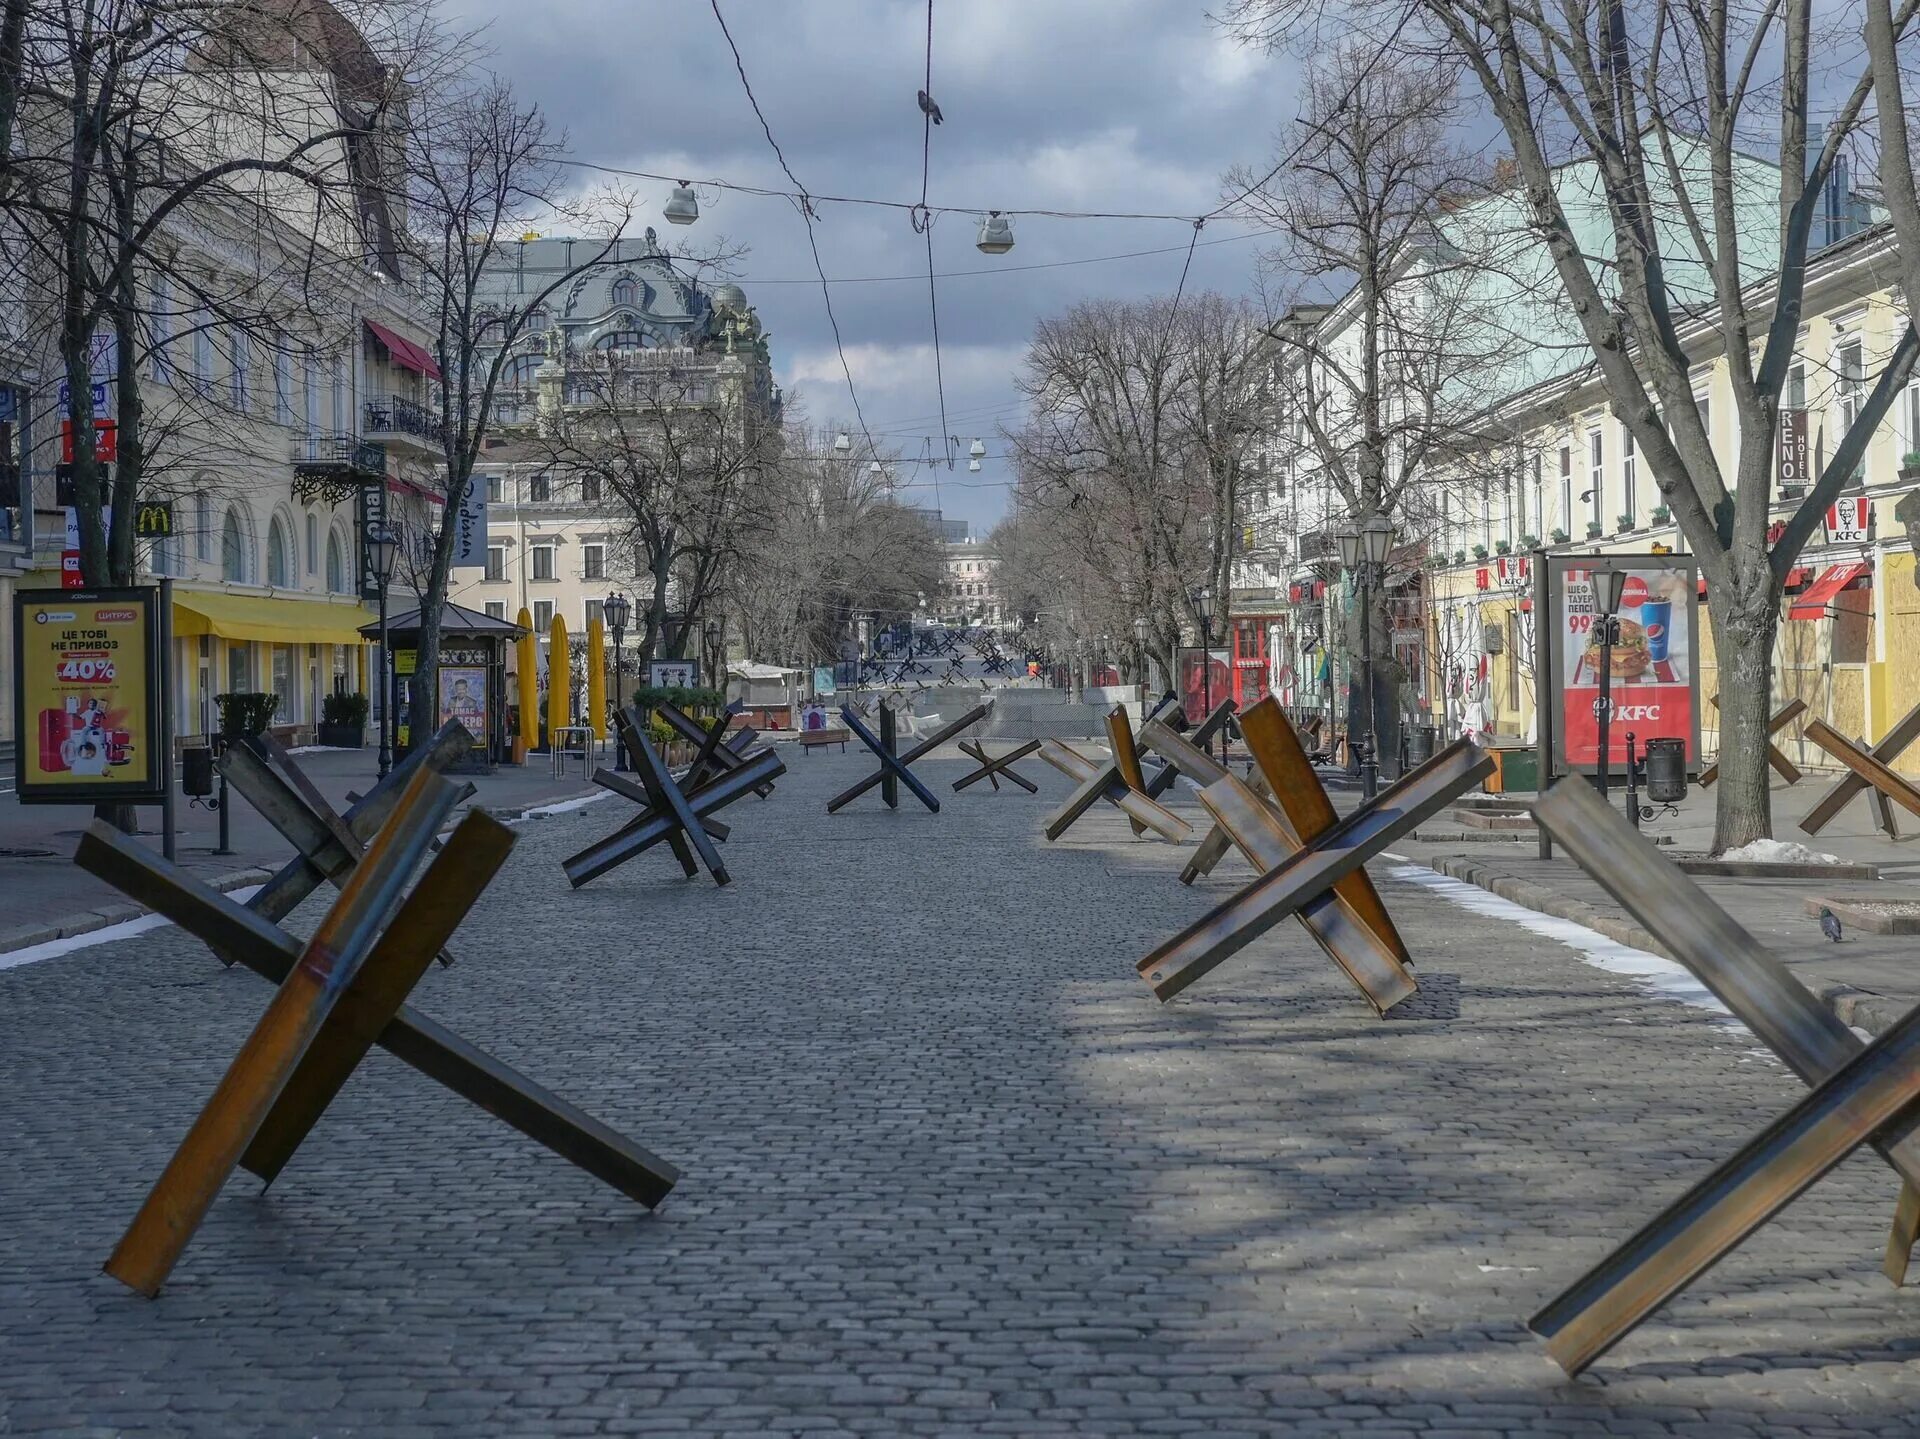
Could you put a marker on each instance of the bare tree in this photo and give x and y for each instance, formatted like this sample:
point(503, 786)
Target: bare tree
point(482, 167)
point(1660, 110)
point(1144, 421)
point(672, 444)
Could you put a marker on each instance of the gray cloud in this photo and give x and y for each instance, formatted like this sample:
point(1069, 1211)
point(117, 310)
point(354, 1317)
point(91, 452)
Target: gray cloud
point(1049, 104)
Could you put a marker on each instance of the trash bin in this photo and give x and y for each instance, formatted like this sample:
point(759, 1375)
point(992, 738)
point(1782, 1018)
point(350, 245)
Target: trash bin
point(1666, 771)
point(1420, 739)
point(196, 771)
point(1515, 769)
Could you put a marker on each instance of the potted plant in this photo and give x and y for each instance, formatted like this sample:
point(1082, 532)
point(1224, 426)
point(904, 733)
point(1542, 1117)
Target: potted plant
point(245, 715)
point(1459, 557)
point(1479, 552)
point(1560, 536)
point(1662, 515)
point(1503, 547)
point(1529, 542)
point(1910, 465)
point(1595, 529)
point(1624, 522)
point(343, 721)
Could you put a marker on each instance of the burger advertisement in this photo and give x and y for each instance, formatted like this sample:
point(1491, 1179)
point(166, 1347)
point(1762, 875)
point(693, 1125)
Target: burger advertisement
point(1651, 675)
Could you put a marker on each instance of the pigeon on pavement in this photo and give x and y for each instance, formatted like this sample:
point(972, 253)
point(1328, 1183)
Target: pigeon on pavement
point(1829, 924)
point(928, 108)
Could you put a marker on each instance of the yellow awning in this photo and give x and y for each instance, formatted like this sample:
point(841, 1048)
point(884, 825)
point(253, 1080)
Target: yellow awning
point(285, 621)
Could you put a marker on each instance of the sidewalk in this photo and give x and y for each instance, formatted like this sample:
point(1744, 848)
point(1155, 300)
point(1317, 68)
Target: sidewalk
point(1868, 979)
point(48, 897)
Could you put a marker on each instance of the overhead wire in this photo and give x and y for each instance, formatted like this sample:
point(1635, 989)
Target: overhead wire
point(803, 203)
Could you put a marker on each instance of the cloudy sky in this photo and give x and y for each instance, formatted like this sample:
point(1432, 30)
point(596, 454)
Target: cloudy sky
point(1049, 104)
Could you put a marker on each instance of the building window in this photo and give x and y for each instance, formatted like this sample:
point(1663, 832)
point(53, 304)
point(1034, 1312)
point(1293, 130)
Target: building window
point(341, 424)
point(593, 562)
point(496, 609)
point(241, 354)
point(590, 489)
point(233, 548)
point(313, 544)
point(310, 367)
point(539, 490)
point(496, 563)
point(1629, 466)
point(519, 372)
point(282, 383)
point(282, 684)
point(202, 348)
point(1596, 474)
point(336, 564)
point(165, 558)
point(537, 321)
point(1796, 395)
point(1566, 485)
point(239, 667)
point(1910, 414)
point(1852, 385)
point(279, 555)
point(542, 616)
point(621, 339)
point(543, 562)
point(203, 528)
point(596, 612)
point(625, 291)
point(1539, 493)
point(494, 487)
point(159, 362)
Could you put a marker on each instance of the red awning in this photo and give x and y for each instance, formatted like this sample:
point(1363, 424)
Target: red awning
point(406, 354)
point(1812, 602)
point(409, 487)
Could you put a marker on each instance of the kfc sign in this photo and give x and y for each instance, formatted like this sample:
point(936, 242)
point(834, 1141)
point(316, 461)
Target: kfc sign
point(1849, 520)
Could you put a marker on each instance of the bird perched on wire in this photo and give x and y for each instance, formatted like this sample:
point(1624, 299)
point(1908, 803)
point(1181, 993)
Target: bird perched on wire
point(1829, 924)
point(928, 108)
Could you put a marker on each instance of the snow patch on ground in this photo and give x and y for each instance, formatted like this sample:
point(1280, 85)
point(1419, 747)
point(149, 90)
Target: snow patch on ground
point(126, 929)
point(1779, 851)
point(1663, 977)
point(324, 749)
point(565, 806)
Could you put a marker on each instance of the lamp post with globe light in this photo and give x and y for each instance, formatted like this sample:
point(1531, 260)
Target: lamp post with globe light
point(382, 551)
point(618, 611)
point(1364, 553)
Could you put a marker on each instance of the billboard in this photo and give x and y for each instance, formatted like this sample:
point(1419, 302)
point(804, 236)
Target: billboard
point(1654, 681)
point(1206, 678)
point(89, 672)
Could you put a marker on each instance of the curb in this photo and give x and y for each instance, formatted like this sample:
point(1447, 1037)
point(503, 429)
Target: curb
point(90, 920)
point(1857, 1008)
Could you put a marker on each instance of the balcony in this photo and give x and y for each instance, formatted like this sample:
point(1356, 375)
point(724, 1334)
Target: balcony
point(331, 467)
point(396, 419)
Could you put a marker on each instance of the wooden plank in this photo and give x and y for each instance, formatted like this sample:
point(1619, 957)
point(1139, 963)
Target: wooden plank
point(411, 1037)
point(1281, 891)
point(1697, 1230)
point(451, 886)
point(1892, 745)
point(1301, 800)
point(186, 1189)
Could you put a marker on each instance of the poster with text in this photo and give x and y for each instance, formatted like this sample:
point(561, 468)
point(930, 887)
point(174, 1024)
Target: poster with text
point(1653, 671)
point(463, 697)
point(87, 683)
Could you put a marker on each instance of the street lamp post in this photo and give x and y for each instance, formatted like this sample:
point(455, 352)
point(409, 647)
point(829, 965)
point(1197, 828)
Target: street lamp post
point(715, 629)
point(382, 550)
point(617, 611)
point(1608, 586)
point(1203, 606)
point(1364, 553)
point(1140, 628)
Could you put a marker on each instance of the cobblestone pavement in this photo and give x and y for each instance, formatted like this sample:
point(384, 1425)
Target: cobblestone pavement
point(949, 1169)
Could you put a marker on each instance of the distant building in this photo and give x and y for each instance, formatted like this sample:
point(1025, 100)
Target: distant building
point(969, 594)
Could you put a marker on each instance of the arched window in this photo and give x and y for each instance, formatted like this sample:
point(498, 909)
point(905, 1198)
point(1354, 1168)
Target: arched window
point(279, 555)
point(627, 337)
point(519, 371)
point(336, 564)
point(313, 544)
point(537, 321)
point(626, 291)
point(233, 548)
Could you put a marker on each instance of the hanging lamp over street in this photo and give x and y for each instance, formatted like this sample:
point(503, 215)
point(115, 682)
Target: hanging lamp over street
point(996, 234)
point(683, 207)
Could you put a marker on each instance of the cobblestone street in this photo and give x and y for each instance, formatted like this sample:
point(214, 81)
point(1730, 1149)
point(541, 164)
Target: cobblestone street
point(948, 1168)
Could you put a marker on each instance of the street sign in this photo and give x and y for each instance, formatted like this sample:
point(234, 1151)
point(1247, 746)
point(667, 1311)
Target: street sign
point(71, 577)
point(370, 507)
point(89, 677)
point(99, 390)
point(106, 441)
point(1794, 455)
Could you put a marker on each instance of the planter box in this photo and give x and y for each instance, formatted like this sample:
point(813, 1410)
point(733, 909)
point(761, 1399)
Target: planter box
point(341, 736)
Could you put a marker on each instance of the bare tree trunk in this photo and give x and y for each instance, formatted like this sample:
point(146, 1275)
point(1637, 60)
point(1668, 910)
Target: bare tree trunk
point(1743, 636)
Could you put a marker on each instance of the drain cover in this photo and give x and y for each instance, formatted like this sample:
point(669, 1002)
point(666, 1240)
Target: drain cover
point(16, 852)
